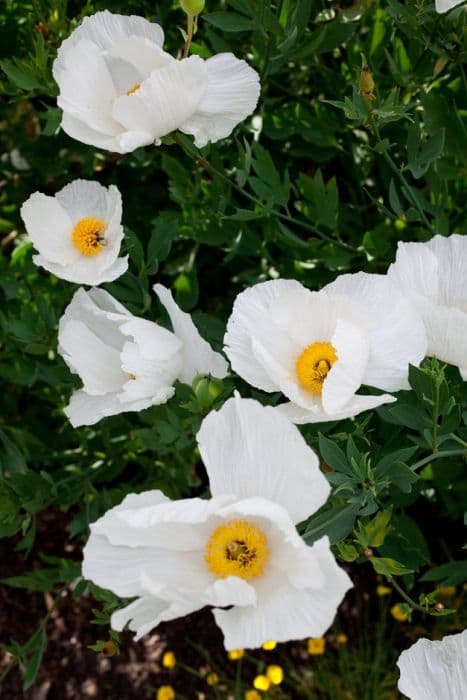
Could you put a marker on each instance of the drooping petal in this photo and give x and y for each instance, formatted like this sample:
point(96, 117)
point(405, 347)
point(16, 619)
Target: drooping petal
point(284, 612)
point(396, 332)
point(143, 615)
point(437, 669)
point(85, 409)
point(251, 319)
point(251, 450)
point(232, 94)
point(105, 29)
point(164, 100)
point(299, 415)
point(49, 227)
point(124, 142)
point(198, 356)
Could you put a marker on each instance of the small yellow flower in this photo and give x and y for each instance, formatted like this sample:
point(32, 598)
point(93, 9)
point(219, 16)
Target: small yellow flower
point(342, 638)
point(398, 614)
point(316, 646)
point(236, 654)
point(275, 674)
point(212, 679)
point(383, 590)
point(252, 695)
point(446, 591)
point(262, 682)
point(169, 660)
point(269, 645)
point(165, 692)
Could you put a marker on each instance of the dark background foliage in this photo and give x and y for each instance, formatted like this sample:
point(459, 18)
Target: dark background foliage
point(325, 179)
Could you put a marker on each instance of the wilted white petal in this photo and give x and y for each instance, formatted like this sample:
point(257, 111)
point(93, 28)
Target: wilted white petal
point(231, 95)
point(198, 356)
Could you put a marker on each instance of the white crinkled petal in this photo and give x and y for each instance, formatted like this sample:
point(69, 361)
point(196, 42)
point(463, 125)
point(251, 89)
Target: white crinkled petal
point(396, 331)
point(88, 198)
point(232, 94)
point(446, 5)
point(285, 612)
point(85, 409)
point(197, 355)
point(299, 415)
point(165, 100)
point(437, 669)
point(124, 142)
point(87, 90)
point(251, 320)
point(105, 29)
point(346, 374)
point(251, 450)
point(415, 271)
point(451, 256)
point(143, 615)
point(49, 227)
point(132, 60)
point(97, 363)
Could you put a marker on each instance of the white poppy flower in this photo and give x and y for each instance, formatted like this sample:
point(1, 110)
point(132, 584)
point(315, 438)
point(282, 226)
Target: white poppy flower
point(435, 669)
point(240, 548)
point(318, 348)
point(443, 6)
point(78, 232)
point(119, 90)
point(127, 363)
point(433, 275)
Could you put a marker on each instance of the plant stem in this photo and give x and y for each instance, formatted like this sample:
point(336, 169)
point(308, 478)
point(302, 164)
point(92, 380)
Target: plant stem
point(285, 217)
point(437, 455)
point(190, 32)
point(400, 175)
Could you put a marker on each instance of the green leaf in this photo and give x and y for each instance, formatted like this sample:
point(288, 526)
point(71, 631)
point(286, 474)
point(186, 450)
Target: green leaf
point(334, 456)
point(229, 21)
point(36, 648)
point(388, 567)
point(451, 574)
point(335, 522)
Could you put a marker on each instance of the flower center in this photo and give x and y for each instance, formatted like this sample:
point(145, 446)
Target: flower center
point(133, 89)
point(313, 364)
point(238, 548)
point(87, 235)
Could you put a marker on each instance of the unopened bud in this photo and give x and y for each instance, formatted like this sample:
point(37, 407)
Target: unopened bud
point(109, 649)
point(439, 607)
point(192, 7)
point(207, 389)
point(366, 84)
point(368, 553)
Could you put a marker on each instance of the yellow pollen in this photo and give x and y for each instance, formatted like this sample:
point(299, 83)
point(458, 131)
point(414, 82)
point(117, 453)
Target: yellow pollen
point(87, 235)
point(313, 364)
point(133, 376)
point(238, 548)
point(135, 88)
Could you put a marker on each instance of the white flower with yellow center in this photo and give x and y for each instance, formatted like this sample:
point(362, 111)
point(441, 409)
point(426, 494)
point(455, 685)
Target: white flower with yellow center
point(127, 363)
point(435, 670)
point(433, 276)
point(119, 90)
point(78, 232)
point(240, 548)
point(318, 348)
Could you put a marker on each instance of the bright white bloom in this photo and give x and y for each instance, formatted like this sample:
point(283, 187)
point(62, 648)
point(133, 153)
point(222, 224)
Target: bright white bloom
point(434, 276)
point(435, 670)
point(78, 232)
point(127, 363)
point(240, 548)
point(446, 5)
point(318, 348)
point(119, 90)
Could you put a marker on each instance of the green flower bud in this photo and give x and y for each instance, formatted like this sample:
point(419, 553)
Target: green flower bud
point(206, 389)
point(192, 7)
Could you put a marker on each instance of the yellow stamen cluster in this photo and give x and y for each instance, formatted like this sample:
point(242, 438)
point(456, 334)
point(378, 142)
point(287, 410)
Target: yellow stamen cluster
point(87, 235)
point(238, 548)
point(133, 89)
point(313, 364)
